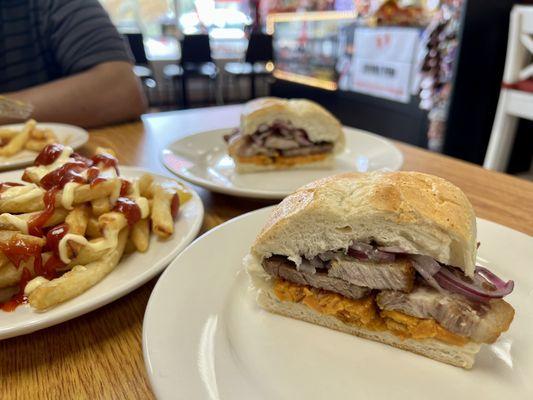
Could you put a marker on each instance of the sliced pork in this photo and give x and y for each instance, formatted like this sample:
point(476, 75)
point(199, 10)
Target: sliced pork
point(482, 322)
point(396, 275)
point(281, 267)
point(278, 139)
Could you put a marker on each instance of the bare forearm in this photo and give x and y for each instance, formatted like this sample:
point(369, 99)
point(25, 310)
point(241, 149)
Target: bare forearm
point(105, 94)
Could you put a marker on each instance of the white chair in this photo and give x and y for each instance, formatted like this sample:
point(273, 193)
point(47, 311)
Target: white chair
point(513, 104)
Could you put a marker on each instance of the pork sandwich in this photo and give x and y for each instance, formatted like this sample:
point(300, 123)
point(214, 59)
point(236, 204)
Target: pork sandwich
point(281, 134)
point(389, 257)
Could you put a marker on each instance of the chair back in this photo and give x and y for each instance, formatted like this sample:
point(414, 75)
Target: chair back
point(259, 48)
point(135, 40)
point(519, 46)
point(195, 49)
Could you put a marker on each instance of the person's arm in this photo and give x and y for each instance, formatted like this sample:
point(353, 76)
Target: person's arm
point(107, 93)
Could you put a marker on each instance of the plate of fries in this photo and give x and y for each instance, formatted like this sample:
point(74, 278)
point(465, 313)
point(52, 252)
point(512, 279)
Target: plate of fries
point(20, 143)
point(77, 233)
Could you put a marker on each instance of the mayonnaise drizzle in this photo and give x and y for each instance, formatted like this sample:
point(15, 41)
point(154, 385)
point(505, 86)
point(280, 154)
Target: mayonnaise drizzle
point(63, 250)
point(142, 202)
point(34, 284)
point(68, 195)
point(38, 172)
point(14, 221)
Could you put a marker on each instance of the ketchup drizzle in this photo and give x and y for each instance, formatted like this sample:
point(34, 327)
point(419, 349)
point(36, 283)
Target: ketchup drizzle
point(18, 298)
point(79, 158)
point(92, 174)
point(175, 206)
point(49, 154)
point(129, 208)
point(124, 187)
point(97, 181)
point(36, 223)
point(17, 250)
point(58, 178)
point(53, 237)
point(107, 160)
point(7, 185)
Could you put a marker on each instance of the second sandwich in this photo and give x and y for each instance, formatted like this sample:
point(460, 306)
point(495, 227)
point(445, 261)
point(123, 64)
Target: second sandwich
point(279, 134)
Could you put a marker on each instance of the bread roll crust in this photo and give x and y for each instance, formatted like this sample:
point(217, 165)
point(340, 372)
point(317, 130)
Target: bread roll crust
point(422, 214)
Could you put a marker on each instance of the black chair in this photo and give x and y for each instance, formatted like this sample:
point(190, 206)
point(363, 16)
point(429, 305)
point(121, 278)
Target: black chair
point(257, 60)
point(174, 73)
point(142, 66)
point(196, 62)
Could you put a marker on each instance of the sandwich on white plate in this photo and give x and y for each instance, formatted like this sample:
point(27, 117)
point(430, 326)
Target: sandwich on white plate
point(387, 256)
point(277, 134)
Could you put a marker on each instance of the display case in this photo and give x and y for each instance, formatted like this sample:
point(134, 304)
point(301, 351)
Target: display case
point(471, 92)
point(306, 46)
point(363, 74)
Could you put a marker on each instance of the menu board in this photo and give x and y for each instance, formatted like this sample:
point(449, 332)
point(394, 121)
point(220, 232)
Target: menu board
point(382, 62)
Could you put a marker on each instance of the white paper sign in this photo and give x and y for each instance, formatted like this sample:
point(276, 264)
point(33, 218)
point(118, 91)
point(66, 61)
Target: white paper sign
point(383, 61)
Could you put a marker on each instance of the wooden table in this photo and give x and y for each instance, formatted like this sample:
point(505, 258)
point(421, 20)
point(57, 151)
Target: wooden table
point(99, 355)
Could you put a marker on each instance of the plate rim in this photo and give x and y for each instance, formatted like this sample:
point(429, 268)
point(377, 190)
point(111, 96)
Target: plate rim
point(153, 378)
point(262, 194)
point(25, 328)
point(149, 304)
point(82, 134)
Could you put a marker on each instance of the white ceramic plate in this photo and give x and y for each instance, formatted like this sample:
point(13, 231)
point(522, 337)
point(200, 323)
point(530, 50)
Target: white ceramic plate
point(216, 343)
point(202, 159)
point(69, 135)
point(133, 270)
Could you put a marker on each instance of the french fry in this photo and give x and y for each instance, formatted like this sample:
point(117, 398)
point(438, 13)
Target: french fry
point(110, 225)
point(28, 240)
point(36, 134)
point(3, 260)
point(112, 221)
point(10, 275)
point(50, 135)
point(145, 185)
point(162, 221)
point(37, 144)
point(8, 133)
point(100, 206)
point(105, 150)
point(78, 219)
point(9, 221)
point(82, 194)
point(140, 235)
point(86, 193)
point(32, 201)
point(87, 254)
point(93, 229)
point(130, 246)
point(78, 279)
point(17, 142)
